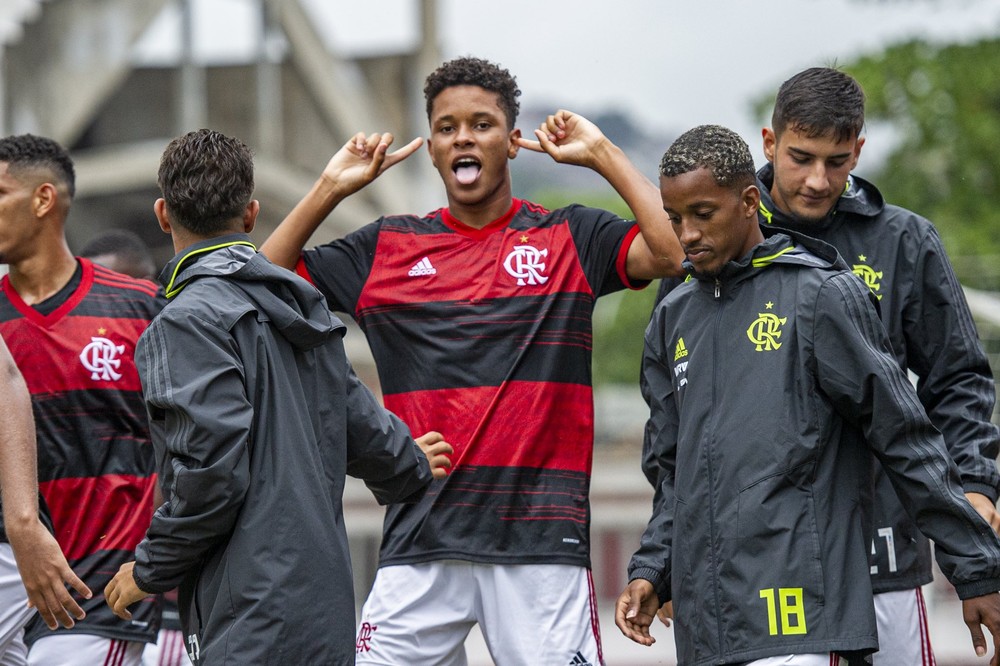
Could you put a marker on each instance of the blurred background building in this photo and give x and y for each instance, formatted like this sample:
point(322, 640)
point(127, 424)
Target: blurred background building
point(115, 80)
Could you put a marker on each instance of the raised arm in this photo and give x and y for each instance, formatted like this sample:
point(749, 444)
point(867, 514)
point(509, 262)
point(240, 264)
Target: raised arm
point(570, 138)
point(358, 162)
point(40, 561)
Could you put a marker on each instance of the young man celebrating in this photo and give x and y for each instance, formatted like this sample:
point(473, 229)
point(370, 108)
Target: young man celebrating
point(256, 416)
point(812, 145)
point(72, 326)
point(483, 309)
point(757, 533)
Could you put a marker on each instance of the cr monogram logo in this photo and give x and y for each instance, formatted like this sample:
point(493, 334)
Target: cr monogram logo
point(765, 331)
point(365, 637)
point(101, 358)
point(525, 263)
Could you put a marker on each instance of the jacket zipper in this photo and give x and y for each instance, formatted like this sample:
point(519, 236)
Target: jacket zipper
point(711, 476)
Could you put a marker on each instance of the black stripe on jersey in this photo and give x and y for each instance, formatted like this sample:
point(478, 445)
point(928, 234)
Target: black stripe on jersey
point(526, 338)
point(482, 514)
point(88, 437)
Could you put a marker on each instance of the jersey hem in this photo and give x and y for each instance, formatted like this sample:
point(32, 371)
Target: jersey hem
point(480, 558)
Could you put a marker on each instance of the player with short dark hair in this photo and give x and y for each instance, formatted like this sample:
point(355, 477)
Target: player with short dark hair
point(812, 146)
point(71, 326)
point(123, 251)
point(257, 417)
point(482, 311)
point(757, 532)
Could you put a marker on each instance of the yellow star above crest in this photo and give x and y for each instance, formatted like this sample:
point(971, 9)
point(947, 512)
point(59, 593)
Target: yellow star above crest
point(862, 257)
point(769, 305)
point(102, 330)
point(524, 238)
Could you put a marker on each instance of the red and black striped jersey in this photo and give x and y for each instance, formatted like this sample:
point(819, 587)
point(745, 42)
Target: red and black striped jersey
point(95, 459)
point(485, 336)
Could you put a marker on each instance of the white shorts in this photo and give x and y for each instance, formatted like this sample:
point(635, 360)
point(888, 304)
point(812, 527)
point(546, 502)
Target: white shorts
point(168, 650)
point(529, 614)
point(14, 611)
point(824, 659)
point(902, 629)
point(62, 649)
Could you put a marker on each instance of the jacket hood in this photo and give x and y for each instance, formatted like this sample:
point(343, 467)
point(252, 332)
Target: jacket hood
point(780, 246)
point(859, 198)
point(297, 310)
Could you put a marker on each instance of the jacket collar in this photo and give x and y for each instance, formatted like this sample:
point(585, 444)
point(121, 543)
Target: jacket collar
point(860, 198)
point(212, 256)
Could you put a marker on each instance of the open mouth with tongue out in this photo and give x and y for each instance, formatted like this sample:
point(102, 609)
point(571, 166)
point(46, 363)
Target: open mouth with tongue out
point(467, 170)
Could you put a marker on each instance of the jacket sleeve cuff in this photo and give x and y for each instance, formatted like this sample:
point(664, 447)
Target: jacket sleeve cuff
point(142, 584)
point(978, 588)
point(981, 488)
point(655, 577)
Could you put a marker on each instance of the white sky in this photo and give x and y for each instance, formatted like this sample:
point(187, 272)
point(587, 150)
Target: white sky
point(669, 64)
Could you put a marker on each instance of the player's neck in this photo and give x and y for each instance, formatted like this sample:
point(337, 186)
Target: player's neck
point(481, 213)
point(44, 273)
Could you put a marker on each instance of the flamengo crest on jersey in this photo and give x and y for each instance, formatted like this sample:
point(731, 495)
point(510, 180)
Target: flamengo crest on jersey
point(525, 263)
point(101, 358)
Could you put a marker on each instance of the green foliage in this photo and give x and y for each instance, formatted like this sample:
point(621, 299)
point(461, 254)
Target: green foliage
point(945, 102)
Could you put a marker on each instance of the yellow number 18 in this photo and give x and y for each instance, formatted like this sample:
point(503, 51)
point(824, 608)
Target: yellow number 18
point(789, 607)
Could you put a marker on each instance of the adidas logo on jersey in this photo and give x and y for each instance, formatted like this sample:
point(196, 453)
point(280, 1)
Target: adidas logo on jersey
point(422, 267)
point(579, 660)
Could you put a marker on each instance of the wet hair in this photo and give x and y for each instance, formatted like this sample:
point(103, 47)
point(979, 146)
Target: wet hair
point(719, 149)
point(127, 247)
point(26, 152)
point(820, 101)
point(207, 180)
point(469, 71)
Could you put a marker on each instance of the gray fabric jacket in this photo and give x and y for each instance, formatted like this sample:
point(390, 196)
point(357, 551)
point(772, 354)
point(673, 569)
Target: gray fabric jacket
point(900, 257)
point(256, 417)
point(769, 387)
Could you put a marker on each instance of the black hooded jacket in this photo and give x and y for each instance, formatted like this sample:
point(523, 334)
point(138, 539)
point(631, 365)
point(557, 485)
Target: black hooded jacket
point(769, 387)
point(256, 418)
point(899, 255)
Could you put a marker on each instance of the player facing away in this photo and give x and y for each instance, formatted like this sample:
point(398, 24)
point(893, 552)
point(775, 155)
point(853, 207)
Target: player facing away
point(482, 311)
point(257, 417)
point(72, 326)
point(757, 533)
point(812, 146)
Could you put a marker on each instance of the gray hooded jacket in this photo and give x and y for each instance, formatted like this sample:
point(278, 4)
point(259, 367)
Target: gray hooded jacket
point(256, 417)
point(769, 388)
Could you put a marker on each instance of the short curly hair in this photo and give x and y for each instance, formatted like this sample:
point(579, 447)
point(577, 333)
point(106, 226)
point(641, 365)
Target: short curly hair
point(25, 152)
point(207, 180)
point(716, 148)
point(470, 71)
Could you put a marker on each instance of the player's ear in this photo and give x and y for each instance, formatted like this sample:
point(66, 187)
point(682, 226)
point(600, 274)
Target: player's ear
point(750, 199)
point(513, 146)
point(160, 209)
point(770, 141)
point(250, 215)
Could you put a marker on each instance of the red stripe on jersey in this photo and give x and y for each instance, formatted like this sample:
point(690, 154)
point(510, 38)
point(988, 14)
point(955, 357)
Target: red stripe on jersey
point(302, 271)
point(103, 275)
point(75, 353)
point(517, 424)
point(622, 261)
point(91, 514)
point(520, 262)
